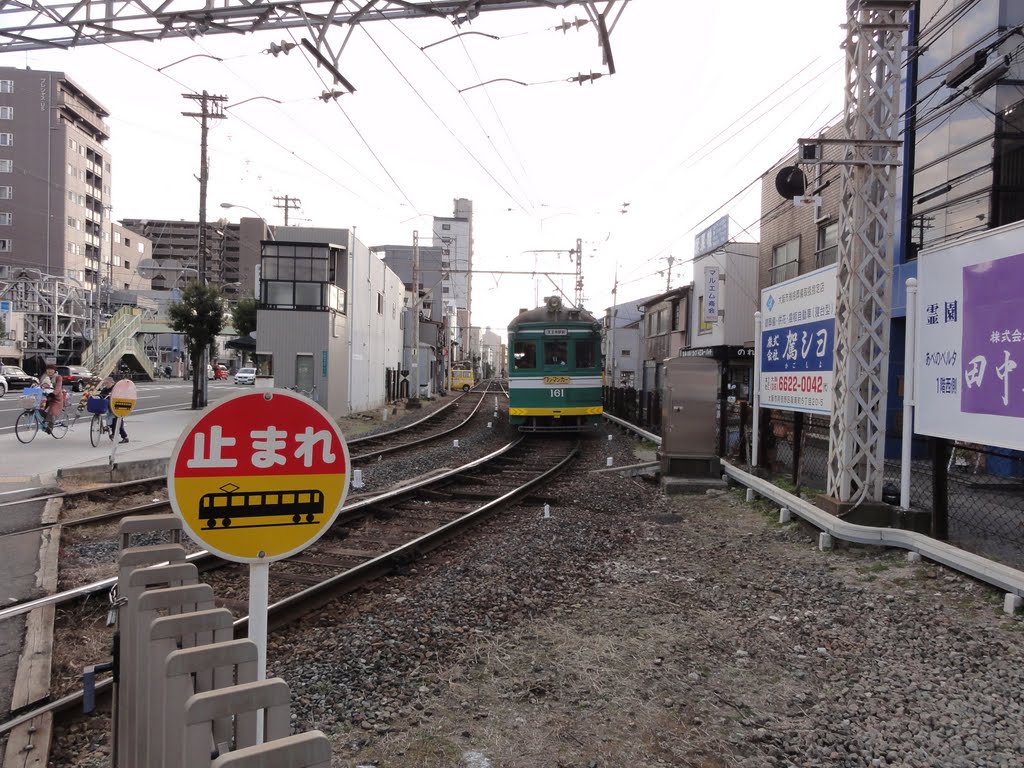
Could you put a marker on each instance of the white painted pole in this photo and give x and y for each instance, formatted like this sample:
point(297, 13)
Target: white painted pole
point(910, 352)
point(755, 431)
point(259, 600)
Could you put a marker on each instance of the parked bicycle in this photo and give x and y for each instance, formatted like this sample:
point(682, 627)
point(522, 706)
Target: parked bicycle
point(308, 393)
point(33, 418)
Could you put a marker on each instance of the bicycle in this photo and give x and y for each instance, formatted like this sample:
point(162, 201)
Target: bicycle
point(307, 393)
point(30, 420)
point(102, 423)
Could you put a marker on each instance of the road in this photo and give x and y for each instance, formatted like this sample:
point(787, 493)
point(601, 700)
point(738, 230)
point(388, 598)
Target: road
point(153, 396)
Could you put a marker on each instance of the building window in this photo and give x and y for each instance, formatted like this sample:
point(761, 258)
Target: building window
point(127, 242)
point(446, 227)
point(702, 327)
point(785, 261)
point(6, 139)
point(445, 289)
point(6, 166)
point(6, 193)
point(5, 244)
point(625, 353)
point(828, 245)
point(127, 264)
point(117, 237)
point(140, 247)
point(6, 113)
point(380, 303)
point(6, 86)
point(5, 219)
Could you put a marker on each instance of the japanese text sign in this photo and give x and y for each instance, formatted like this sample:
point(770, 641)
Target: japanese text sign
point(711, 238)
point(123, 397)
point(797, 340)
point(260, 476)
point(710, 294)
point(970, 341)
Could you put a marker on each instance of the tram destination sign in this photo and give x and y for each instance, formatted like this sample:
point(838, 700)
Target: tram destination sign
point(260, 476)
point(797, 340)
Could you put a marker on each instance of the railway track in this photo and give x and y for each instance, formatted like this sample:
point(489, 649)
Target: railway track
point(371, 537)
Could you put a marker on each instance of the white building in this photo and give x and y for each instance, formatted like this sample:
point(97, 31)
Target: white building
point(454, 235)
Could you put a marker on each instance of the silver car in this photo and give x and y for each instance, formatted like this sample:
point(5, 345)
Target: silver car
point(245, 376)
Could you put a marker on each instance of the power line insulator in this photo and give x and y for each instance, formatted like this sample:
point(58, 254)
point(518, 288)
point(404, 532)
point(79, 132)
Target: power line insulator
point(276, 49)
point(331, 95)
point(585, 78)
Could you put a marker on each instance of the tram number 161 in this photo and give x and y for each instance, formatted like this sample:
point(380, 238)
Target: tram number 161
point(558, 393)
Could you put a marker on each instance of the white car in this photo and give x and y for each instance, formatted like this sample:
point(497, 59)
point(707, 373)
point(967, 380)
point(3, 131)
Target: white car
point(245, 376)
point(3, 386)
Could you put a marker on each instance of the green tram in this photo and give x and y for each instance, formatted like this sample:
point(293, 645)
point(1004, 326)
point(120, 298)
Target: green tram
point(554, 369)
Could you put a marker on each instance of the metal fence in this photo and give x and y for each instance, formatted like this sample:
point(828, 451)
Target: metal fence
point(640, 408)
point(975, 494)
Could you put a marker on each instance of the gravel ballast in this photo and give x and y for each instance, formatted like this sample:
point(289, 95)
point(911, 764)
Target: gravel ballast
point(631, 629)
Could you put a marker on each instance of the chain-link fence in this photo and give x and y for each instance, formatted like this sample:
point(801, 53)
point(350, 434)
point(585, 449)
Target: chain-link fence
point(975, 494)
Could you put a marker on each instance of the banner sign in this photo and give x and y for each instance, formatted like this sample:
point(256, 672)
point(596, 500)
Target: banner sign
point(797, 341)
point(969, 382)
point(711, 238)
point(711, 294)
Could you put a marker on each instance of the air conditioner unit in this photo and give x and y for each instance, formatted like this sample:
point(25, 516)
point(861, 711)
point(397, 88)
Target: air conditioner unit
point(19, 344)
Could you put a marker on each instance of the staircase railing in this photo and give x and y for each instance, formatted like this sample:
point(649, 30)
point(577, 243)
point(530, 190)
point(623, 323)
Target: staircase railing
point(117, 337)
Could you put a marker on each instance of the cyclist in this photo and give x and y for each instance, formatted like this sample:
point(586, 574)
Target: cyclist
point(105, 389)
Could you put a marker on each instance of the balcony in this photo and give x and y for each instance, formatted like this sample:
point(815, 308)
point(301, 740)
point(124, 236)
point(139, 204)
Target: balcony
point(787, 270)
point(826, 256)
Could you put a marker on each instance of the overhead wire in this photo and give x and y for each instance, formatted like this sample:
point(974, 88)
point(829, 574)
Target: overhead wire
point(441, 120)
point(483, 130)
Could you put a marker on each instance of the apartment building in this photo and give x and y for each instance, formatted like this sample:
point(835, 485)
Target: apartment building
point(54, 176)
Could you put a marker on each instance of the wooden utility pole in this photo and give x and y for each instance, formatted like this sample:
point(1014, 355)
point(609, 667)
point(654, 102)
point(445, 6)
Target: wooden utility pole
point(287, 203)
point(211, 108)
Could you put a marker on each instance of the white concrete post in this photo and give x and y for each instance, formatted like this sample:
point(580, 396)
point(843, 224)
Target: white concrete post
point(755, 431)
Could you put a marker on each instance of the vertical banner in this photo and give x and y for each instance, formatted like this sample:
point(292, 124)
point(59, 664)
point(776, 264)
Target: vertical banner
point(711, 294)
point(969, 382)
point(797, 341)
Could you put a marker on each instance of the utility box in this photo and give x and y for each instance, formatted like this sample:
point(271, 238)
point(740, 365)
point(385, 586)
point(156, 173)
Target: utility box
point(689, 439)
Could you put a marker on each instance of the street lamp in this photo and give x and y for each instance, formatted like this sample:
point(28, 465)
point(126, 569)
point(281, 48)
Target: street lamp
point(270, 230)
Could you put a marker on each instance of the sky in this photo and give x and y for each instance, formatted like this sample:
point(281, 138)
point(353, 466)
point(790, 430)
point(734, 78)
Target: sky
point(706, 97)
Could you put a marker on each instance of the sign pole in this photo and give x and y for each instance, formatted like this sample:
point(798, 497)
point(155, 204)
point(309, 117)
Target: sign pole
point(910, 352)
point(259, 600)
point(755, 434)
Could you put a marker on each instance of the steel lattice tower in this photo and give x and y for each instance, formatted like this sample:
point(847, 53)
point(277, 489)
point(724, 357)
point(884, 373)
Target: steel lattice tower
point(874, 55)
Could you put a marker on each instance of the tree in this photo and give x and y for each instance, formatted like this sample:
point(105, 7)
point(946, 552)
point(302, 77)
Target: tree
point(243, 317)
point(199, 316)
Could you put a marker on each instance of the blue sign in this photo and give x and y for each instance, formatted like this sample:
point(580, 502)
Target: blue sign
point(711, 238)
point(797, 342)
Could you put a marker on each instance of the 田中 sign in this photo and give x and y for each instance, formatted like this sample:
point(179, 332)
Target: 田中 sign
point(969, 382)
point(260, 476)
point(797, 340)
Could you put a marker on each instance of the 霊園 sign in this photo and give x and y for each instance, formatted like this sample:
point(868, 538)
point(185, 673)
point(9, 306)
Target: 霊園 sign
point(260, 476)
point(969, 372)
point(797, 341)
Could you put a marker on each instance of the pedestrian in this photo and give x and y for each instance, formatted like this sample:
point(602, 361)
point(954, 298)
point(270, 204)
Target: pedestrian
point(105, 389)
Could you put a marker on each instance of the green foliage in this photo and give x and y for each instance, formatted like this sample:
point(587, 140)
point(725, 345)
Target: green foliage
point(243, 316)
point(199, 316)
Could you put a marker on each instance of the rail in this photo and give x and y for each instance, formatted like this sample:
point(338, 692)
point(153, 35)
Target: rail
point(998, 575)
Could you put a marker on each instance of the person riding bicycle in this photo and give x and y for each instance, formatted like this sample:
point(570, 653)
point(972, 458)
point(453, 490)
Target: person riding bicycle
point(52, 385)
point(105, 389)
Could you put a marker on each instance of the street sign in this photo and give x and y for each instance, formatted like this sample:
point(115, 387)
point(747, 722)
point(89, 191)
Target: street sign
point(797, 341)
point(123, 398)
point(260, 476)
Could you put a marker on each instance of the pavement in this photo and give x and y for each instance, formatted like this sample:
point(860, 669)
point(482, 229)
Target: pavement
point(42, 462)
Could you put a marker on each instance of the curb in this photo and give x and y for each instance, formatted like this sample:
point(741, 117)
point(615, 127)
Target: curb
point(122, 471)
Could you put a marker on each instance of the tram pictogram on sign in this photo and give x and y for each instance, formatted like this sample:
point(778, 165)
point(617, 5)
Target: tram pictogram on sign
point(259, 477)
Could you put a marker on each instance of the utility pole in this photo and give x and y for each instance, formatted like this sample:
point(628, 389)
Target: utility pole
point(874, 55)
point(579, 273)
point(212, 108)
point(668, 273)
point(287, 203)
point(414, 395)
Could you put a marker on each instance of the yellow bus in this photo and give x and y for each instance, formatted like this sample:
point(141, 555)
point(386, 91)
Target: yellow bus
point(461, 378)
